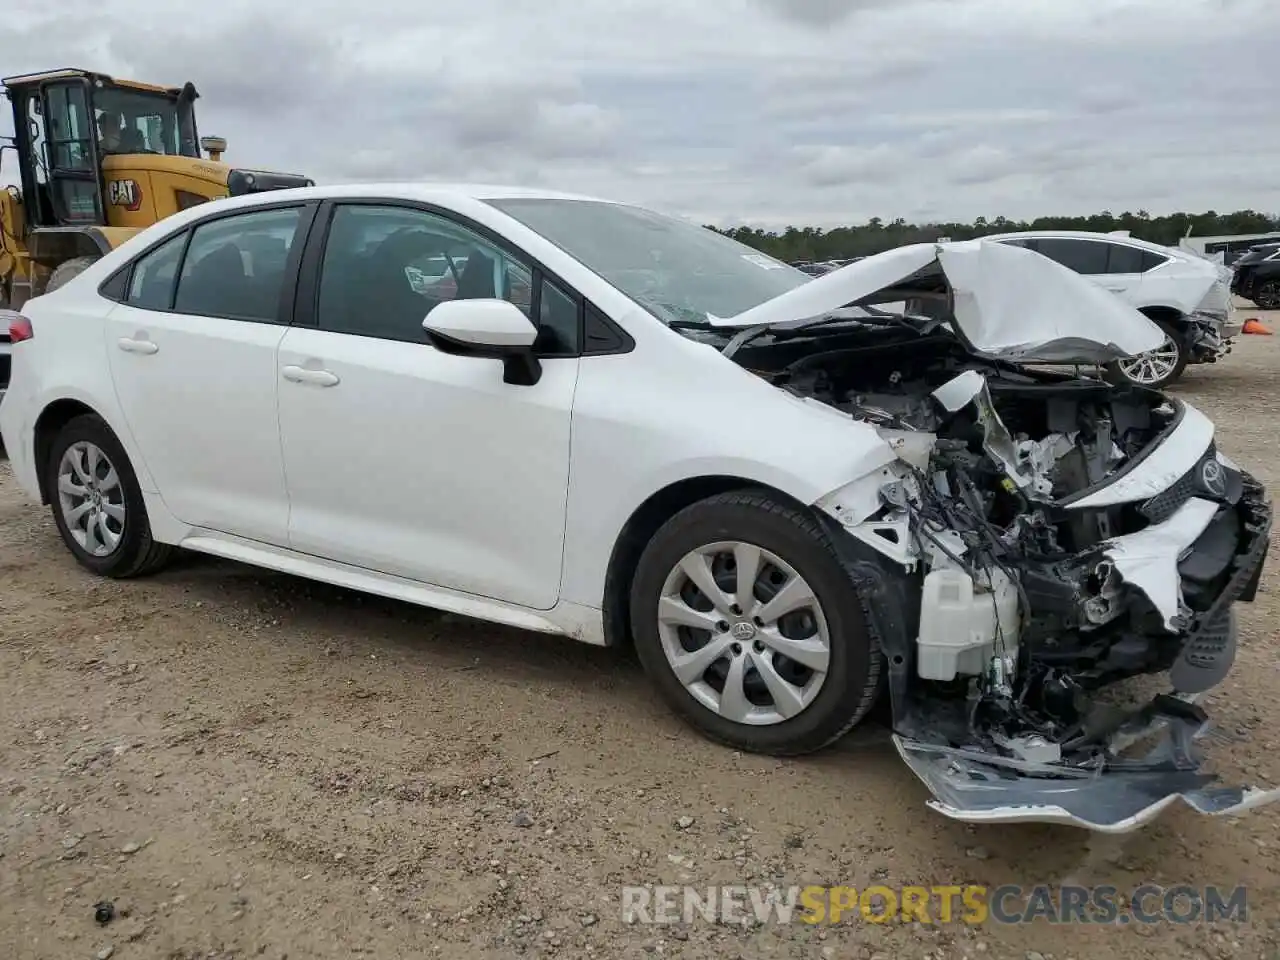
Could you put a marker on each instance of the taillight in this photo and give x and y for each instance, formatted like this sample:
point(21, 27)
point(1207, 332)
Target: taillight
point(19, 326)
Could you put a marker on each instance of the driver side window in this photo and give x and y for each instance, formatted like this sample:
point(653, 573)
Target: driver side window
point(385, 268)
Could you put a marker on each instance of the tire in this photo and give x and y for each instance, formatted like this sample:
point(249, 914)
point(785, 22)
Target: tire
point(66, 270)
point(134, 552)
point(1266, 295)
point(755, 519)
point(1130, 372)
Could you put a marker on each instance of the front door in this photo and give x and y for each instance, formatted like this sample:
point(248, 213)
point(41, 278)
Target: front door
point(71, 147)
point(410, 461)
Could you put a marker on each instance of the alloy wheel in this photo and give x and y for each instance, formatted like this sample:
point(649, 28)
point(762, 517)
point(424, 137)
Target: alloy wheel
point(1152, 367)
point(91, 498)
point(744, 633)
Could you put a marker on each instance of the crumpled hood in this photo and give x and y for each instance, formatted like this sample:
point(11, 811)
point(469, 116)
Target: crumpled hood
point(1006, 302)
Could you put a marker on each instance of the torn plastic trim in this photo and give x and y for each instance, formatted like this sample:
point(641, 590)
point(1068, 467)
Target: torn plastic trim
point(872, 509)
point(1114, 795)
point(1157, 468)
point(1166, 461)
point(1148, 559)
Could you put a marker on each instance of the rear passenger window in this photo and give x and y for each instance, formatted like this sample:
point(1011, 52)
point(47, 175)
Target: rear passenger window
point(1082, 256)
point(151, 286)
point(235, 266)
point(1124, 259)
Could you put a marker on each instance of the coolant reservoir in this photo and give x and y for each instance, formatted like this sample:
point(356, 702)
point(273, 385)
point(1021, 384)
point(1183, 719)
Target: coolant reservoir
point(958, 623)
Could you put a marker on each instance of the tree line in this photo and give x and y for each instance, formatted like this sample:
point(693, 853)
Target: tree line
point(876, 236)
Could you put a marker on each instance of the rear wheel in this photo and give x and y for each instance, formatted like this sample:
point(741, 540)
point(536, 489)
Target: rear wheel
point(1267, 295)
point(97, 502)
point(66, 270)
point(750, 627)
point(1156, 368)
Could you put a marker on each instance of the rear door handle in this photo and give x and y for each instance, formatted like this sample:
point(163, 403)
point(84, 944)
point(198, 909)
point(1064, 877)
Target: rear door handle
point(130, 345)
point(321, 378)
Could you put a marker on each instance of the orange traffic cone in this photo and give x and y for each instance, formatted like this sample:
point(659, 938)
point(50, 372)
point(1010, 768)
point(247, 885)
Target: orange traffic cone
point(1254, 325)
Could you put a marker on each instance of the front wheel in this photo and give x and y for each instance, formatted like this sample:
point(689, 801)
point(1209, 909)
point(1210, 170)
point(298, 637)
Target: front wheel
point(97, 502)
point(749, 625)
point(1156, 368)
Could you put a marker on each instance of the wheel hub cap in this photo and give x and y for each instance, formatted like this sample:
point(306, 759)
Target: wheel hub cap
point(91, 498)
point(744, 633)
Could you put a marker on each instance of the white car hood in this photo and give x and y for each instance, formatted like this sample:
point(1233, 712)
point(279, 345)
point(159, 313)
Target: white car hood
point(1007, 302)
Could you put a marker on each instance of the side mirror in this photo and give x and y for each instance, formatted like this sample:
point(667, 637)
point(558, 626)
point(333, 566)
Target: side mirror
point(492, 329)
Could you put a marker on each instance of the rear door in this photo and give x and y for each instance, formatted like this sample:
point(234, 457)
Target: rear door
point(1125, 267)
point(193, 355)
point(1114, 266)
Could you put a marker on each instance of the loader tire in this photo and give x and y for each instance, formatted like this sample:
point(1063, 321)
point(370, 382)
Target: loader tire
point(63, 272)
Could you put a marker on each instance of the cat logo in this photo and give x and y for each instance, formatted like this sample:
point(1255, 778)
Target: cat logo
point(124, 193)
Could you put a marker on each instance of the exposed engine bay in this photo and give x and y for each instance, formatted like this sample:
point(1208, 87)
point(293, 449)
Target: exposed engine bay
point(1058, 534)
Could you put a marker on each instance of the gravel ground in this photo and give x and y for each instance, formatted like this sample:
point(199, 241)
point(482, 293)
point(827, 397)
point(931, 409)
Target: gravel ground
point(248, 764)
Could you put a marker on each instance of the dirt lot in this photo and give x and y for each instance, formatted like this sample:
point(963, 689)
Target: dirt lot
point(251, 765)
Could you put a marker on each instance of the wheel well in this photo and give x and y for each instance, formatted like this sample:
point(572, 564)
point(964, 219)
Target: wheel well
point(639, 530)
point(52, 419)
point(1167, 314)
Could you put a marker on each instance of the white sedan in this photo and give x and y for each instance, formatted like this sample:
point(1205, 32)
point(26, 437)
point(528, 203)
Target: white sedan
point(622, 427)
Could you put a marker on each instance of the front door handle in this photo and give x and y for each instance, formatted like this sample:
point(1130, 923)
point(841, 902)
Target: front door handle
point(130, 345)
point(321, 378)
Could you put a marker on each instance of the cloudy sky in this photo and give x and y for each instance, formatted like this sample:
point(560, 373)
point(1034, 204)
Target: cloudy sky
point(765, 112)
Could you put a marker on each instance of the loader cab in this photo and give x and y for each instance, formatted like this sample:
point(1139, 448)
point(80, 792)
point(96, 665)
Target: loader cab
point(59, 118)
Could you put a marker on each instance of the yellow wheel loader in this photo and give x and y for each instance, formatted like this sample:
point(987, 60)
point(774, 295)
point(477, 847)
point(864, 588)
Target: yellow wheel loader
point(99, 159)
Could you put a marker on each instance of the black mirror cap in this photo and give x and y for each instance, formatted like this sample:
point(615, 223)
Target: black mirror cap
point(243, 182)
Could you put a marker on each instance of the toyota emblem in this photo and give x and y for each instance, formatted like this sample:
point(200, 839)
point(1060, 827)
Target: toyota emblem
point(743, 630)
point(1212, 477)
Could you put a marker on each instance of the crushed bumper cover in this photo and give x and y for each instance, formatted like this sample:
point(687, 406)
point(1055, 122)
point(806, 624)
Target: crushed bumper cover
point(1117, 796)
point(1115, 792)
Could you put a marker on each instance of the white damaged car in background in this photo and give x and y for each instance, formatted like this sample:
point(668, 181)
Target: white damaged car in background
point(622, 427)
point(1187, 296)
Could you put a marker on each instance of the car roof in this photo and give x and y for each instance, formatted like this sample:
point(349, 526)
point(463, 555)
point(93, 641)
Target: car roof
point(420, 190)
point(1082, 235)
point(1183, 256)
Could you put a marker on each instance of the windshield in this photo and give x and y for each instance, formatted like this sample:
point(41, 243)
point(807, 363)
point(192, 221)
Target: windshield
point(676, 270)
point(133, 121)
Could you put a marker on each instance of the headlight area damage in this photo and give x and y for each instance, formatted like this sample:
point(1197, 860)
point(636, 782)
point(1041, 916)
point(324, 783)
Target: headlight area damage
point(1041, 537)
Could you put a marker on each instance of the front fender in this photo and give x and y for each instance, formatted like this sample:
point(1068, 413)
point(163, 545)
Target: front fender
point(634, 435)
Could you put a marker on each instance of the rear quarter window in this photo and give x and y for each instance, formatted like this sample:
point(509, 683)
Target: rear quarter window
point(1151, 260)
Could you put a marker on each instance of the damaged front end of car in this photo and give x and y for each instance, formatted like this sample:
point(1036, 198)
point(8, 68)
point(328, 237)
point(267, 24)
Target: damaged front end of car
point(1043, 539)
